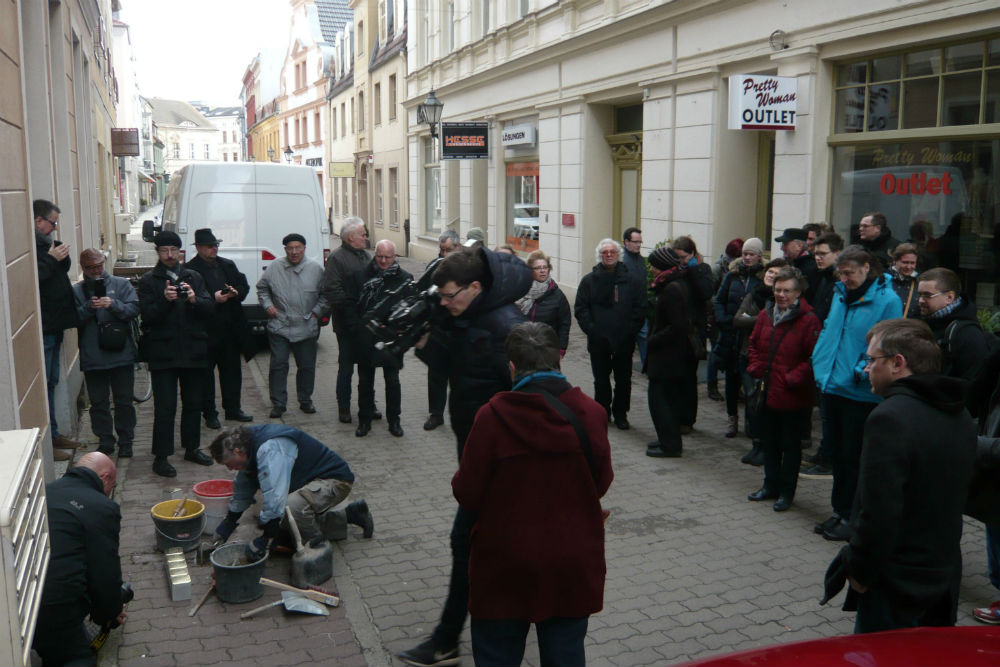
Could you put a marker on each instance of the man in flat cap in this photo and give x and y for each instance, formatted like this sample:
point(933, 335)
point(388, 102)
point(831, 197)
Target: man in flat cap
point(289, 292)
point(794, 243)
point(175, 308)
point(227, 331)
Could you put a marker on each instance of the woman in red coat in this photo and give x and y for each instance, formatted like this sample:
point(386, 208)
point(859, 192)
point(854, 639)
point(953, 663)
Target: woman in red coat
point(780, 348)
point(538, 540)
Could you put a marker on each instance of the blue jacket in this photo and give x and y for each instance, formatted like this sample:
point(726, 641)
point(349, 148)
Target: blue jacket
point(837, 359)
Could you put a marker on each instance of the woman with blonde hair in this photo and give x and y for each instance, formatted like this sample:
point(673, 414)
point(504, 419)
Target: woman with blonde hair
point(545, 302)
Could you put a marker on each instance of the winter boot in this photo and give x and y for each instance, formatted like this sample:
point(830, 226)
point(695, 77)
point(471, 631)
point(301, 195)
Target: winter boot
point(734, 426)
point(357, 513)
point(755, 457)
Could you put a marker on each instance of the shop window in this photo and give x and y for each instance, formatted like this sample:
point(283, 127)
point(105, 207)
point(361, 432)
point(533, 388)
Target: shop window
point(956, 84)
point(942, 195)
point(432, 188)
point(522, 205)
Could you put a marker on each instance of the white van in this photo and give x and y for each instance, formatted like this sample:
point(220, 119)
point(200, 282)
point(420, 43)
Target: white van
point(249, 206)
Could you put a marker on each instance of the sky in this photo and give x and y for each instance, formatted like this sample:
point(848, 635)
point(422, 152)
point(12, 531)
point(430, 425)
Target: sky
point(199, 49)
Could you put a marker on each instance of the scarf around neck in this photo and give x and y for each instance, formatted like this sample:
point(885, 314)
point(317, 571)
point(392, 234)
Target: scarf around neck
point(536, 290)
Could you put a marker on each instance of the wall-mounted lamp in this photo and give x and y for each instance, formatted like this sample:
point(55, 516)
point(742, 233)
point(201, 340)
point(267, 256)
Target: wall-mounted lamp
point(270, 153)
point(778, 40)
point(430, 112)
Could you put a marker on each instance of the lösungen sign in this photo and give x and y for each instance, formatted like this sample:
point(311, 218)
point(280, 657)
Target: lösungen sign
point(759, 102)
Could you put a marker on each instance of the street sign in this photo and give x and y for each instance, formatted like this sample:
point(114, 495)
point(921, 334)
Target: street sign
point(125, 141)
point(465, 141)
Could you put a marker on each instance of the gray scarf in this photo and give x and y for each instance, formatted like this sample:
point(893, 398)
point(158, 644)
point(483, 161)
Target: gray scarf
point(528, 300)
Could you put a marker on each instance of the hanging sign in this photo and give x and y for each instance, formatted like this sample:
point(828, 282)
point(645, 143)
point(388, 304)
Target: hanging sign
point(463, 141)
point(762, 102)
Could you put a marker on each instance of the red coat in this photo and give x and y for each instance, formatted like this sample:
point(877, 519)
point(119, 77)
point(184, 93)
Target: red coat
point(538, 540)
point(790, 384)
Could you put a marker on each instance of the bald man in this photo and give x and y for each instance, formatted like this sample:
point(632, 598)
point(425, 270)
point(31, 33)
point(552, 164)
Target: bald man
point(84, 575)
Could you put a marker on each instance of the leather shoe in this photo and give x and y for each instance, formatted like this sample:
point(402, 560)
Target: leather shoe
point(162, 467)
point(107, 451)
point(62, 442)
point(308, 408)
point(125, 451)
point(839, 532)
point(395, 428)
point(821, 528)
point(376, 415)
point(61, 455)
point(654, 450)
point(358, 514)
point(784, 502)
point(364, 426)
point(433, 422)
point(622, 423)
point(239, 417)
point(212, 421)
point(277, 411)
point(199, 457)
point(345, 415)
point(763, 493)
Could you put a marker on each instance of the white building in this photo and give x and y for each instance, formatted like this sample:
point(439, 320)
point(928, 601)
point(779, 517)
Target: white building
point(608, 115)
point(229, 121)
point(128, 115)
point(188, 136)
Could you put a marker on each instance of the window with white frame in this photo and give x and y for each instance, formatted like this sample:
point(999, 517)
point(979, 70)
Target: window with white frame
point(207, 154)
point(393, 198)
point(392, 97)
point(432, 187)
point(379, 199)
point(377, 104)
point(191, 151)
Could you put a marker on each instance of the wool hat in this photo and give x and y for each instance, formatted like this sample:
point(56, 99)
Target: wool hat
point(754, 245)
point(476, 234)
point(292, 238)
point(205, 237)
point(167, 238)
point(734, 247)
point(664, 258)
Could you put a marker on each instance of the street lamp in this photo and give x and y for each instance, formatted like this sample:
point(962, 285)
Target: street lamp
point(288, 154)
point(270, 153)
point(430, 112)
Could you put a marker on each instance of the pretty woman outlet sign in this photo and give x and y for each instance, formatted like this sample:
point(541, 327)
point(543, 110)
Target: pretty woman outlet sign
point(759, 102)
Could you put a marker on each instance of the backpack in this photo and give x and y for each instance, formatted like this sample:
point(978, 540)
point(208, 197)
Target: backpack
point(992, 342)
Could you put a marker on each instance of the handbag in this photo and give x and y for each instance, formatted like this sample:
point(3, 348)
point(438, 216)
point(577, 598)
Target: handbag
point(113, 335)
point(758, 395)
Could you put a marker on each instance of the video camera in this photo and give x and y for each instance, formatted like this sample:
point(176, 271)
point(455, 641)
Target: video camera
point(403, 316)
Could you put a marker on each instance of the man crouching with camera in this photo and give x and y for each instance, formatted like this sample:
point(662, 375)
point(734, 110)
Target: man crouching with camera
point(478, 289)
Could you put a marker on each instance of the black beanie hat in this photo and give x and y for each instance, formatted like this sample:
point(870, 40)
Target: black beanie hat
point(664, 258)
point(292, 238)
point(167, 238)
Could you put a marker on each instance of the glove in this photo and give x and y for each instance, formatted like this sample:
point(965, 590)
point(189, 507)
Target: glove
point(257, 549)
point(228, 525)
point(271, 529)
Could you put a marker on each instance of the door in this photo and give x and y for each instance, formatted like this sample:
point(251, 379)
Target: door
point(765, 186)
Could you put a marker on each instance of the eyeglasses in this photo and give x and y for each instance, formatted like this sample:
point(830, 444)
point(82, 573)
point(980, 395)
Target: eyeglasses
point(445, 295)
point(633, 240)
point(93, 267)
point(927, 297)
point(609, 252)
point(820, 254)
point(870, 359)
point(54, 223)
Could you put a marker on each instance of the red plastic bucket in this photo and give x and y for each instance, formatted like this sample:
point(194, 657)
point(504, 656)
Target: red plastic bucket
point(215, 495)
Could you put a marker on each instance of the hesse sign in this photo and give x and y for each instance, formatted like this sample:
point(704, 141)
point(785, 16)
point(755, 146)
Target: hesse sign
point(461, 141)
point(762, 102)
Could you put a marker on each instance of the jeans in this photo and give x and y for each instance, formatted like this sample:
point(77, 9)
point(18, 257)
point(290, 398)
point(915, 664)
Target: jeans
point(640, 341)
point(456, 606)
point(500, 642)
point(606, 359)
point(993, 553)
point(847, 431)
point(781, 432)
point(164, 383)
point(119, 381)
point(226, 358)
point(664, 398)
point(347, 358)
point(876, 612)
point(305, 373)
point(366, 392)
point(52, 343)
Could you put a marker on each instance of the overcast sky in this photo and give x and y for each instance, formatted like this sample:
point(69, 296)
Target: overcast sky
point(199, 49)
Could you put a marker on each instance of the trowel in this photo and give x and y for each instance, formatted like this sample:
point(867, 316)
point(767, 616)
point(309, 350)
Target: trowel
point(293, 602)
point(311, 566)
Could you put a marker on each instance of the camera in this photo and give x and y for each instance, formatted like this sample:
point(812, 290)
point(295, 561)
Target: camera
point(401, 318)
point(182, 291)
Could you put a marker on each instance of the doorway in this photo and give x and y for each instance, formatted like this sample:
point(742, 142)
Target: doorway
point(626, 155)
point(765, 186)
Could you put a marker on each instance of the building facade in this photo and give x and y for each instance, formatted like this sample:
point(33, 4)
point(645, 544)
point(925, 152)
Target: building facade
point(188, 137)
point(228, 121)
point(609, 115)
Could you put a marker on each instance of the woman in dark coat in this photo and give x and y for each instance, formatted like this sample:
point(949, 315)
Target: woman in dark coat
point(904, 277)
point(669, 350)
point(545, 302)
point(702, 289)
point(780, 348)
point(744, 275)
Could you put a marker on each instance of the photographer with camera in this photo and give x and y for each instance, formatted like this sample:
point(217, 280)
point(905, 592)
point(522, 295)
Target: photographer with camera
point(175, 308)
point(478, 289)
point(106, 306)
point(228, 332)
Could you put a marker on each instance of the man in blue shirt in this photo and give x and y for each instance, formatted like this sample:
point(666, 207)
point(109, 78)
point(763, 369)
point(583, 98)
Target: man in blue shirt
point(293, 469)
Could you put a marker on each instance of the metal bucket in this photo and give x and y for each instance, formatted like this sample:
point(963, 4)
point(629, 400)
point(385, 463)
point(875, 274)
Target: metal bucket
point(184, 531)
point(235, 580)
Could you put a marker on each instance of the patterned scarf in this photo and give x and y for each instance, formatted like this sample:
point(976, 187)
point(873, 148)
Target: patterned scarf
point(537, 289)
point(947, 310)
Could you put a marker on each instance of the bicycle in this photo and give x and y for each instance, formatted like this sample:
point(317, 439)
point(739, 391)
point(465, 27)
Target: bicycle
point(142, 388)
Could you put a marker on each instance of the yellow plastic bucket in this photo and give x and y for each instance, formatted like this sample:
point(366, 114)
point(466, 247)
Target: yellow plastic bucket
point(181, 531)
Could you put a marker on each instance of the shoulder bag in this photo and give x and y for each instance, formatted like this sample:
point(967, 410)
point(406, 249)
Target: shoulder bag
point(758, 395)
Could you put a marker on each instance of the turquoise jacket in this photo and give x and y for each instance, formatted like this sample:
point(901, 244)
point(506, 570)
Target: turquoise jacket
point(838, 358)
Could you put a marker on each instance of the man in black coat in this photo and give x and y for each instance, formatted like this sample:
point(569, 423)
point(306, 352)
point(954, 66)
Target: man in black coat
point(227, 332)
point(85, 573)
point(793, 245)
point(611, 310)
point(437, 384)
point(55, 293)
point(904, 560)
point(478, 289)
point(876, 237)
point(175, 309)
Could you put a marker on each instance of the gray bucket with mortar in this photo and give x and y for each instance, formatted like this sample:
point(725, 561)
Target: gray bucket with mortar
point(236, 580)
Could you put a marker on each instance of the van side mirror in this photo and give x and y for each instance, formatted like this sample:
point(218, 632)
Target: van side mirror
point(149, 230)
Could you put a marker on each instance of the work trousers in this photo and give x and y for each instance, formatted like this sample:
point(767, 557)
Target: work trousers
point(119, 383)
point(164, 384)
point(226, 358)
point(366, 391)
point(781, 435)
point(305, 369)
point(607, 359)
point(313, 508)
point(846, 422)
point(500, 642)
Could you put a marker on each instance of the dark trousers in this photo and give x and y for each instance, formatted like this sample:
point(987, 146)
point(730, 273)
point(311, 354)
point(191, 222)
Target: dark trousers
point(993, 553)
point(664, 400)
point(437, 392)
point(876, 612)
point(825, 451)
point(687, 413)
point(118, 382)
point(60, 638)
point(500, 642)
point(781, 435)
point(605, 360)
point(731, 367)
point(227, 359)
point(366, 392)
point(456, 606)
point(846, 419)
point(750, 426)
point(164, 384)
point(305, 369)
point(346, 360)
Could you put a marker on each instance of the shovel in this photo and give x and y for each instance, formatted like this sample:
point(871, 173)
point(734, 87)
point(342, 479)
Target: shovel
point(311, 566)
point(293, 602)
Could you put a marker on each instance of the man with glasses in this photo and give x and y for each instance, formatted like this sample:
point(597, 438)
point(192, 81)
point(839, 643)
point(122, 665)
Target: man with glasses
point(55, 293)
point(636, 263)
point(106, 305)
point(341, 266)
point(478, 288)
point(227, 331)
point(175, 308)
point(876, 237)
point(289, 292)
point(437, 383)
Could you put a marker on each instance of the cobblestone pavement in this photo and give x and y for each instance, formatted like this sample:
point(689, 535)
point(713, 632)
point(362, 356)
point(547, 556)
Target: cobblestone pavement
point(693, 568)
